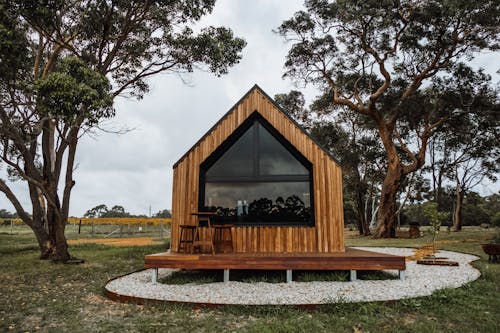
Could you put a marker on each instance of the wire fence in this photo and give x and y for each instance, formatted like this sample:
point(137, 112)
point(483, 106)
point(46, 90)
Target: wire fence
point(100, 228)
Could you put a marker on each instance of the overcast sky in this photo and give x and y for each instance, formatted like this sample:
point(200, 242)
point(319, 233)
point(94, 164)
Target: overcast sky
point(135, 169)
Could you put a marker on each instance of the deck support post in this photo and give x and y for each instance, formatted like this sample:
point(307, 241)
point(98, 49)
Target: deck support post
point(354, 275)
point(226, 275)
point(154, 275)
point(402, 275)
point(289, 276)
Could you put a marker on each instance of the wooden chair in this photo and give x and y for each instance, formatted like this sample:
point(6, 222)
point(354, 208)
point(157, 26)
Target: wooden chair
point(204, 235)
point(186, 238)
point(223, 238)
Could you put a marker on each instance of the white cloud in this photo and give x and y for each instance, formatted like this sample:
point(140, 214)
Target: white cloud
point(135, 169)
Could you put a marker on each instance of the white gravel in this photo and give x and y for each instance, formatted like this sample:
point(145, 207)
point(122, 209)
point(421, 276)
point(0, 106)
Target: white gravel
point(421, 280)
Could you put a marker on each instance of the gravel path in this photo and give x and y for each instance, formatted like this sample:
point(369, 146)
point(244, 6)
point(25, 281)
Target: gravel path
point(421, 280)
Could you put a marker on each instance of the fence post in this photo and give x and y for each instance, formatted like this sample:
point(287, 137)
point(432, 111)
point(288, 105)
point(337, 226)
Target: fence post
point(92, 232)
point(11, 225)
point(161, 229)
point(79, 226)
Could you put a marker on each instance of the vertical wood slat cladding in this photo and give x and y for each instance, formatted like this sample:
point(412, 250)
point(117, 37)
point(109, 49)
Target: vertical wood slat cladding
point(327, 235)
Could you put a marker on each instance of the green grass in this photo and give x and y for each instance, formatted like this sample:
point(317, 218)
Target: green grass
point(38, 296)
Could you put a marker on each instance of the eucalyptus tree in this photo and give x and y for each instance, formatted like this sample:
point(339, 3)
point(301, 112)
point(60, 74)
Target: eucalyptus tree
point(62, 65)
point(466, 150)
point(350, 139)
point(375, 58)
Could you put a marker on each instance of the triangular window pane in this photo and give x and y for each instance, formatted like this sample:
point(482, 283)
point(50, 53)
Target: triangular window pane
point(237, 160)
point(275, 159)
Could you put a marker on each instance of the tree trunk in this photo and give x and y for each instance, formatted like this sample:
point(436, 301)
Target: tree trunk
point(53, 244)
point(366, 227)
point(457, 214)
point(387, 206)
point(61, 245)
point(44, 242)
point(55, 217)
point(363, 226)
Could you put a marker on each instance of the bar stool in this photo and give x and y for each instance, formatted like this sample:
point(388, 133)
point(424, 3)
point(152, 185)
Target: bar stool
point(203, 235)
point(186, 238)
point(223, 238)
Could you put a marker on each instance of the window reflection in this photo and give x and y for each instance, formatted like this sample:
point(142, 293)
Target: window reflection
point(259, 202)
point(257, 180)
point(237, 161)
point(275, 159)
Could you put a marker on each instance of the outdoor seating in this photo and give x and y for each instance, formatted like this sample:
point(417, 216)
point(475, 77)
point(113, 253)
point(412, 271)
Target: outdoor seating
point(223, 238)
point(204, 233)
point(186, 239)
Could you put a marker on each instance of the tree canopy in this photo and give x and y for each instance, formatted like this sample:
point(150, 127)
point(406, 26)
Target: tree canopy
point(377, 59)
point(63, 63)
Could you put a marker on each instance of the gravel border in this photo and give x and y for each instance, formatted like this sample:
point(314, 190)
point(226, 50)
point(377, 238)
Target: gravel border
point(420, 280)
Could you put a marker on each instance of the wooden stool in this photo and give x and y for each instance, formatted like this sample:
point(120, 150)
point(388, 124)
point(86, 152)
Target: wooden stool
point(223, 238)
point(186, 238)
point(203, 235)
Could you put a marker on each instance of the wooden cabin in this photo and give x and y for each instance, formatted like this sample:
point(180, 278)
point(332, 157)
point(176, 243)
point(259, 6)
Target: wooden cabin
point(277, 191)
point(266, 176)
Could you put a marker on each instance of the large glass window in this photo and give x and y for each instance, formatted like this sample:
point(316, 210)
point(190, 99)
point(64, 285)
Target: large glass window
point(257, 177)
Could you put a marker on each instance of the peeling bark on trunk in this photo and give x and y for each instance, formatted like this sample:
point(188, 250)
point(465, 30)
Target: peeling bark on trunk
point(387, 207)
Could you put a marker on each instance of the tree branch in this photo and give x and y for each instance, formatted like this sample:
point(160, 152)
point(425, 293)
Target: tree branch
point(17, 205)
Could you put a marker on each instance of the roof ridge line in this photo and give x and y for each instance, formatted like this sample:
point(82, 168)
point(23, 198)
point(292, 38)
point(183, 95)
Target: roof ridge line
point(273, 102)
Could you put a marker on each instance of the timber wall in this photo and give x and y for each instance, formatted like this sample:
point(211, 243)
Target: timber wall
point(327, 235)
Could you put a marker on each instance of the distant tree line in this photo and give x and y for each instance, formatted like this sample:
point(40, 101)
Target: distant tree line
point(102, 211)
point(476, 210)
point(5, 214)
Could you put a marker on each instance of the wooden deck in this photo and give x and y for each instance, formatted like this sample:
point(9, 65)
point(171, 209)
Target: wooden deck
point(351, 259)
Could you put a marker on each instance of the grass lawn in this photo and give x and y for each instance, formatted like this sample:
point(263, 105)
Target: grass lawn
point(38, 296)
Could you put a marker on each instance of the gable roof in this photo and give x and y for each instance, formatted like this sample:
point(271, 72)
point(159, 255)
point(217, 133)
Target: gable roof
point(234, 107)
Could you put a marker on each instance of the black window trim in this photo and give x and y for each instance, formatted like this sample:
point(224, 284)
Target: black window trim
point(227, 144)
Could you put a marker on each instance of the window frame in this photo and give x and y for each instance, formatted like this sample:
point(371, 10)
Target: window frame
point(255, 177)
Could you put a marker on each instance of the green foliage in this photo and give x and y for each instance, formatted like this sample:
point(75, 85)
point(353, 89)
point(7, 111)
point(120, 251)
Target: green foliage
point(4, 214)
point(436, 218)
point(163, 214)
point(293, 103)
point(62, 63)
point(496, 238)
point(115, 211)
point(118, 211)
point(399, 65)
point(75, 91)
point(97, 211)
point(14, 47)
point(351, 140)
point(495, 220)
point(131, 40)
point(476, 209)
